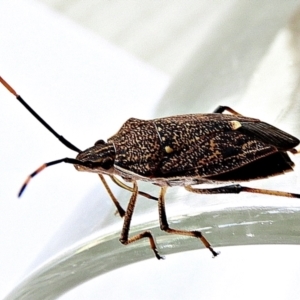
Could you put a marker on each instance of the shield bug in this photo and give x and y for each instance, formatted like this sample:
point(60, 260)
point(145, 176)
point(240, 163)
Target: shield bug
point(184, 150)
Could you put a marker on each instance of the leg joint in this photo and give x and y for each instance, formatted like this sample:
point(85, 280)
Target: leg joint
point(147, 234)
point(197, 234)
point(123, 241)
point(164, 227)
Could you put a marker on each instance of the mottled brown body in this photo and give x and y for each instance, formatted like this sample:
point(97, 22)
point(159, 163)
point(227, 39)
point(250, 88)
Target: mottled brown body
point(193, 149)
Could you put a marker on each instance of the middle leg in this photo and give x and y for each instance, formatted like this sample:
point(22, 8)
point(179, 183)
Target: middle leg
point(125, 239)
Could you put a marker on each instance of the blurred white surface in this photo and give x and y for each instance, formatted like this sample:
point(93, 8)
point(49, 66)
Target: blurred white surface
point(235, 53)
point(191, 275)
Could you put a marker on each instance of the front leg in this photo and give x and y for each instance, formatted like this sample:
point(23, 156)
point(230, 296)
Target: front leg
point(165, 226)
point(120, 209)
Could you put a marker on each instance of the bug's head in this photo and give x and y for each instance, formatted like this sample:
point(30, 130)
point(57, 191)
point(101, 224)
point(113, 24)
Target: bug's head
point(99, 158)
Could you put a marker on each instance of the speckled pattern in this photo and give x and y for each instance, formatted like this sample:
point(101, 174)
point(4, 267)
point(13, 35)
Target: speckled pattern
point(198, 145)
point(138, 148)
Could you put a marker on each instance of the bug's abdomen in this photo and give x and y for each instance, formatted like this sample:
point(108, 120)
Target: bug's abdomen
point(199, 146)
point(203, 147)
point(206, 145)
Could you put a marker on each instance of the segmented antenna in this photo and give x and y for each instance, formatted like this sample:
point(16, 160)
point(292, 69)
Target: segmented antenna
point(60, 137)
point(51, 163)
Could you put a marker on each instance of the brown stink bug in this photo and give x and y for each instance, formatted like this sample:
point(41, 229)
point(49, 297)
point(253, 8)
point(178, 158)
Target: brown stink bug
point(183, 150)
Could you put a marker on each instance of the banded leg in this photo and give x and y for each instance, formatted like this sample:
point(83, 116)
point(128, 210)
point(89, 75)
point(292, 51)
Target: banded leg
point(165, 226)
point(236, 189)
point(220, 109)
point(120, 209)
point(124, 239)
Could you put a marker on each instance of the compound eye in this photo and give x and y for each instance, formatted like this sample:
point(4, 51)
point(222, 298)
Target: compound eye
point(100, 142)
point(107, 163)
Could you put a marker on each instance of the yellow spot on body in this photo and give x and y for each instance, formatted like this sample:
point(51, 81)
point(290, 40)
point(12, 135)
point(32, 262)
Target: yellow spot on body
point(235, 125)
point(168, 149)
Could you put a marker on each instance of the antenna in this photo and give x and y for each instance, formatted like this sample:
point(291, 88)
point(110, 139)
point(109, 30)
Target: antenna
point(60, 137)
point(21, 100)
point(51, 163)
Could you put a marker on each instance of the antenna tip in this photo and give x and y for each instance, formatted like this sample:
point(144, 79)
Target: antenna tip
point(8, 86)
point(22, 190)
point(42, 167)
point(23, 186)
